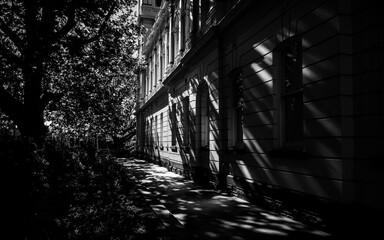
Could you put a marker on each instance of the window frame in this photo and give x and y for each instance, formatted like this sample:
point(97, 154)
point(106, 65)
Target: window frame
point(236, 110)
point(174, 127)
point(152, 140)
point(203, 115)
point(186, 121)
point(147, 2)
point(157, 140)
point(161, 131)
point(282, 145)
point(204, 119)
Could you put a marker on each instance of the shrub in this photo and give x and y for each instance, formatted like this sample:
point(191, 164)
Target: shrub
point(59, 192)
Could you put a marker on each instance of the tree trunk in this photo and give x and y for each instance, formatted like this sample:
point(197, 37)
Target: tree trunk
point(33, 115)
point(32, 124)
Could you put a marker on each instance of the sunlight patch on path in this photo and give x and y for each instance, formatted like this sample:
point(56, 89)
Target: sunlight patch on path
point(205, 214)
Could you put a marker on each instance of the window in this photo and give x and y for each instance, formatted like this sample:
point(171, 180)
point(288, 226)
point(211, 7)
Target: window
point(158, 3)
point(144, 83)
point(156, 133)
point(147, 132)
point(156, 61)
point(289, 93)
point(147, 83)
point(161, 130)
point(147, 2)
point(151, 132)
point(150, 66)
point(176, 30)
point(173, 124)
point(203, 114)
point(292, 91)
point(235, 125)
point(142, 130)
point(154, 70)
point(161, 59)
point(168, 42)
point(186, 121)
point(188, 19)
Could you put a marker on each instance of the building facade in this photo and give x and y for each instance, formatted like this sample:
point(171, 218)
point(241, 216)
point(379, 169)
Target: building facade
point(279, 102)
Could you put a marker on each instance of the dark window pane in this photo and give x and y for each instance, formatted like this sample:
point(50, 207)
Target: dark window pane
point(292, 67)
point(293, 107)
point(238, 104)
point(186, 120)
point(239, 125)
point(173, 124)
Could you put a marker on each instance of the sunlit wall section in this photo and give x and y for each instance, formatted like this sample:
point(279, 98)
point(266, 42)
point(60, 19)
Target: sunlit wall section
point(327, 97)
point(179, 85)
point(312, 166)
point(156, 127)
point(274, 158)
point(203, 84)
point(279, 102)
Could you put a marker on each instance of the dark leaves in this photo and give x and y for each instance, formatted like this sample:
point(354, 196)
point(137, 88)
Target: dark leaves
point(85, 52)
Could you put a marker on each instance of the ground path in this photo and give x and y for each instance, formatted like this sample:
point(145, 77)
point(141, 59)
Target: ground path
point(191, 211)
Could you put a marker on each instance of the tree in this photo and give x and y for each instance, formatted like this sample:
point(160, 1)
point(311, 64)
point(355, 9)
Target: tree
point(67, 62)
point(107, 110)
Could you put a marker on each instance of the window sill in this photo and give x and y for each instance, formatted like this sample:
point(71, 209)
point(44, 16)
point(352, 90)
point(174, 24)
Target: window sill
point(286, 152)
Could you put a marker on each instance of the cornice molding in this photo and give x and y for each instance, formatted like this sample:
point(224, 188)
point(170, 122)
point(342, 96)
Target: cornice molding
point(156, 29)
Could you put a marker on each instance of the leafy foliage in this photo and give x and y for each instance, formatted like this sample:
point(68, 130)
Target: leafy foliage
point(69, 64)
point(68, 193)
point(99, 83)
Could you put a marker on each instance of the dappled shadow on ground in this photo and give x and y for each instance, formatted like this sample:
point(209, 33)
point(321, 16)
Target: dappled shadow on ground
point(205, 214)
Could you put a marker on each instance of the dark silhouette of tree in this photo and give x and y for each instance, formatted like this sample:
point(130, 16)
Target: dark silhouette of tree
point(68, 64)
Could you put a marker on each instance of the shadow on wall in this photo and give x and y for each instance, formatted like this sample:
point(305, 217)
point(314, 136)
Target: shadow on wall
point(259, 126)
point(323, 174)
point(197, 121)
point(320, 175)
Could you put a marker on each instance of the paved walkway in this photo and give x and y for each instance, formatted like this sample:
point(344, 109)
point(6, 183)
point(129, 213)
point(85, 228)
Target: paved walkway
point(190, 211)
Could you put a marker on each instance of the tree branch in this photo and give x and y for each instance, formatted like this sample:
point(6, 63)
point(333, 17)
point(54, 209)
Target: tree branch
point(71, 23)
point(9, 55)
point(11, 35)
point(102, 26)
point(130, 135)
point(127, 132)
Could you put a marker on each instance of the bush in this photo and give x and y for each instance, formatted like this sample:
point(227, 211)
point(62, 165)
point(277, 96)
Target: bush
point(66, 193)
